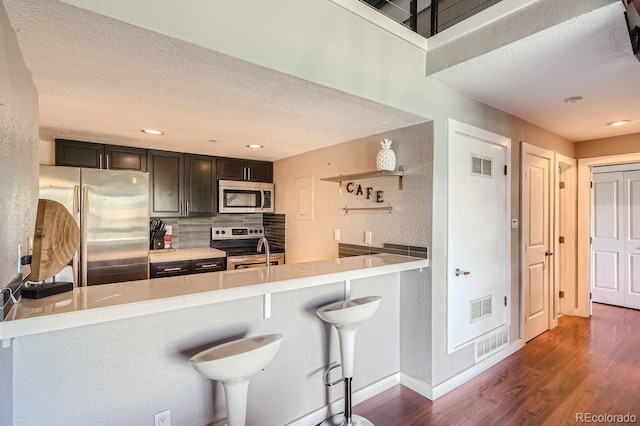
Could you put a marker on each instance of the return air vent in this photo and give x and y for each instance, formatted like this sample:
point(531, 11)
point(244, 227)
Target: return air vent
point(480, 308)
point(491, 344)
point(481, 166)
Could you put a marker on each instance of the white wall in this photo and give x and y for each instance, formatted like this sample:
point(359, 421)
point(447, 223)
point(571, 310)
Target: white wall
point(123, 372)
point(410, 222)
point(18, 177)
point(18, 151)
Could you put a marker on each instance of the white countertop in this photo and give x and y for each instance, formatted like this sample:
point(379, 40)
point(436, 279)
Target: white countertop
point(101, 303)
point(171, 255)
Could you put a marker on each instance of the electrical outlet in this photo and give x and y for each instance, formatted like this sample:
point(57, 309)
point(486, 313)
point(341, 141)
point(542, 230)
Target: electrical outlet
point(336, 234)
point(367, 237)
point(163, 418)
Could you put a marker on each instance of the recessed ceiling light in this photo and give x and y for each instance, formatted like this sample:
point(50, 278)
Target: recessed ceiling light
point(573, 100)
point(152, 132)
point(214, 140)
point(254, 146)
point(618, 123)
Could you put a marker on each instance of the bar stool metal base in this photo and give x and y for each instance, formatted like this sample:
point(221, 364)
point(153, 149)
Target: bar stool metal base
point(338, 420)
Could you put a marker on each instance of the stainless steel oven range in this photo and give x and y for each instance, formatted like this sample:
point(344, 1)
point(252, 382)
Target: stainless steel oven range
point(241, 245)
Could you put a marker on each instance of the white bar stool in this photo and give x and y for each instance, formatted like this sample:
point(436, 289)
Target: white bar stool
point(233, 364)
point(346, 317)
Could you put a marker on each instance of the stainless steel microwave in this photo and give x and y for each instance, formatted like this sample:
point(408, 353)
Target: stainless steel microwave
point(245, 197)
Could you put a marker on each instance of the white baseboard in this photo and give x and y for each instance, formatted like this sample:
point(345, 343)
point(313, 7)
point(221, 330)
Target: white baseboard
point(436, 392)
point(358, 396)
point(470, 373)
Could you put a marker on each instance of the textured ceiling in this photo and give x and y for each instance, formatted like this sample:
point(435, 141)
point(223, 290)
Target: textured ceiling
point(103, 80)
point(588, 56)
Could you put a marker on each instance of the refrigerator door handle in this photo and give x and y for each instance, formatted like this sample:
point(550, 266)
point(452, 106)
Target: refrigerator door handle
point(76, 201)
point(83, 222)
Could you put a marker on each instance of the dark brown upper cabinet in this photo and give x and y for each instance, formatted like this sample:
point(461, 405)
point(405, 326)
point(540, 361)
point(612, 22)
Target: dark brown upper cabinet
point(247, 170)
point(201, 188)
point(181, 185)
point(99, 156)
point(166, 183)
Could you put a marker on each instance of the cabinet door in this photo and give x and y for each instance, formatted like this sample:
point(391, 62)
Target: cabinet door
point(79, 154)
point(230, 169)
point(200, 185)
point(125, 158)
point(166, 183)
point(208, 265)
point(259, 171)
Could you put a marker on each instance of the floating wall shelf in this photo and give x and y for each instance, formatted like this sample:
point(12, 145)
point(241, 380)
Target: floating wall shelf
point(368, 175)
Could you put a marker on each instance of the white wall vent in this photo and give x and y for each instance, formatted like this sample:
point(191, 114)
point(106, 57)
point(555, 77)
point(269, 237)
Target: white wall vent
point(481, 166)
point(480, 308)
point(491, 344)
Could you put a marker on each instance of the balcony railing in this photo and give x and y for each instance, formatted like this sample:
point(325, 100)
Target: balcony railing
point(427, 17)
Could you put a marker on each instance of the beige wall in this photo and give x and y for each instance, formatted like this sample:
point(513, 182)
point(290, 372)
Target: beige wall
point(626, 144)
point(410, 222)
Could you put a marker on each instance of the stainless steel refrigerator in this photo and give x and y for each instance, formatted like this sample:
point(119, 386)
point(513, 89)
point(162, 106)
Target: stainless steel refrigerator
point(112, 211)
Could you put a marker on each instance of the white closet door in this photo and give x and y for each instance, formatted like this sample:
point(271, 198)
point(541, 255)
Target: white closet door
point(632, 240)
point(615, 249)
point(607, 247)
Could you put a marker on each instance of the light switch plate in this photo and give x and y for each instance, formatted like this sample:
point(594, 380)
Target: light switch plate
point(336, 234)
point(367, 237)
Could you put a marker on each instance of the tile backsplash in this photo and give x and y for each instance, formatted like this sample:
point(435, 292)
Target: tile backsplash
point(193, 232)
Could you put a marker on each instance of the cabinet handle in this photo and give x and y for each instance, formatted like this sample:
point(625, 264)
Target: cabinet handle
point(180, 208)
point(171, 269)
point(209, 265)
point(100, 155)
point(107, 161)
point(187, 209)
point(248, 173)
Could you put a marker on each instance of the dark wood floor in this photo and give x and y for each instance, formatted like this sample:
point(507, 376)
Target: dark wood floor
point(581, 366)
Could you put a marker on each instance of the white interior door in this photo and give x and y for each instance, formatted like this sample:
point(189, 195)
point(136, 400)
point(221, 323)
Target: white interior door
point(478, 255)
point(607, 249)
point(537, 258)
point(615, 252)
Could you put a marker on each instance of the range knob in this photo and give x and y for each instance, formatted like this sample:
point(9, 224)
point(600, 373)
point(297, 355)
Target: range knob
point(223, 231)
point(217, 232)
point(260, 231)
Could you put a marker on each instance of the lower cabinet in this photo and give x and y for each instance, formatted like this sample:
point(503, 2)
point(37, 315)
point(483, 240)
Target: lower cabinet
point(185, 267)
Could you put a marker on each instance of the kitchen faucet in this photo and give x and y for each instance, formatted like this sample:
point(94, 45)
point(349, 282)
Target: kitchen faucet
point(267, 251)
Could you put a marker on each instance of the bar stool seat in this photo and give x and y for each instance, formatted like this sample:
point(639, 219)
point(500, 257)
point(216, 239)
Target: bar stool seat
point(233, 364)
point(347, 316)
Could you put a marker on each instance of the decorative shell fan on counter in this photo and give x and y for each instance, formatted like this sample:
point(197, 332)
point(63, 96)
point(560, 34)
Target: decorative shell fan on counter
point(55, 240)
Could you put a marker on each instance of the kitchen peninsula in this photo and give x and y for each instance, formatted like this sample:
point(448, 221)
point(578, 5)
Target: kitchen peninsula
point(94, 304)
point(128, 344)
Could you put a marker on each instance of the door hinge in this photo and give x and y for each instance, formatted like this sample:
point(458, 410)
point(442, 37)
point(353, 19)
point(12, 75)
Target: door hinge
point(561, 294)
point(590, 240)
point(505, 170)
point(505, 301)
point(591, 184)
point(590, 296)
point(561, 185)
point(561, 240)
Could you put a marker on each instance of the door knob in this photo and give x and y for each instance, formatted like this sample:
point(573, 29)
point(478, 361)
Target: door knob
point(460, 272)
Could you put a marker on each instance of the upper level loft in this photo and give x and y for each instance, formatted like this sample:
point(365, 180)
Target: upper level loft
point(429, 17)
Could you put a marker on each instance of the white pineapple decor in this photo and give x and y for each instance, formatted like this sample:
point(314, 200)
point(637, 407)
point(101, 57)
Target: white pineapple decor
point(386, 158)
